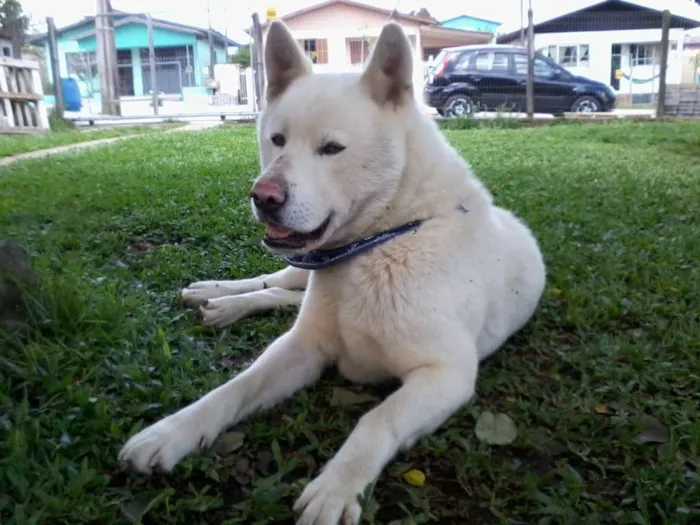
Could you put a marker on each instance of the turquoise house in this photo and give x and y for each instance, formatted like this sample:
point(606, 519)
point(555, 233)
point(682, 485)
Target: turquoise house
point(471, 23)
point(181, 52)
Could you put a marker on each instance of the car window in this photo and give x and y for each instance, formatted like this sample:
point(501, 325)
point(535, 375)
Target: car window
point(463, 61)
point(542, 68)
point(491, 61)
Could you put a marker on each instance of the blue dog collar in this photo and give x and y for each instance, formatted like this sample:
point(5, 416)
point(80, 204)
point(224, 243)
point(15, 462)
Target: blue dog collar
point(320, 259)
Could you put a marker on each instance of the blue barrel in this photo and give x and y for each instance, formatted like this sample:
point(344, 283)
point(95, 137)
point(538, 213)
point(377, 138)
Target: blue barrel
point(72, 100)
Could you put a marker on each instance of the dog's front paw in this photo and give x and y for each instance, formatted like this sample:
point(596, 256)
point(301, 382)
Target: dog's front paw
point(224, 311)
point(330, 499)
point(196, 293)
point(162, 445)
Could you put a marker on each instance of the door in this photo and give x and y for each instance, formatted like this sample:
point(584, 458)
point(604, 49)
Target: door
point(491, 73)
point(553, 88)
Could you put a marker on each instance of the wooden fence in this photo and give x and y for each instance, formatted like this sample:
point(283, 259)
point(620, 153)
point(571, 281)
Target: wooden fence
point(22, 108)
point(682, 100)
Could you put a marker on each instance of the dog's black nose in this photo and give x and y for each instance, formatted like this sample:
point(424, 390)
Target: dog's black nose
point(268, 197)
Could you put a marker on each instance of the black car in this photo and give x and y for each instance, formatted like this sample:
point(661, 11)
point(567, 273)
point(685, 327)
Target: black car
point(463, 80)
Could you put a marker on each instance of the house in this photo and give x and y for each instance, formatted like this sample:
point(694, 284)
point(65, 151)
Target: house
point(338, 34)
point(181, 53)
point(471, 23)
point(617, 42)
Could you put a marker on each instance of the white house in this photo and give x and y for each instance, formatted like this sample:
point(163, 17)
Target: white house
point(617, 42)
point(338, 34)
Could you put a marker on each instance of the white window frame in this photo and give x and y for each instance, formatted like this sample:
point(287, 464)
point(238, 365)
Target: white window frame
point(556, 54)
point(649, 59)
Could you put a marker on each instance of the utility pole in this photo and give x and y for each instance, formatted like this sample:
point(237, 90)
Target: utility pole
point(530, 89)
point(665, 32)
point(55, 69)
point(152, 63)
point(107, 59)
point(212, 53)
point(258, 67)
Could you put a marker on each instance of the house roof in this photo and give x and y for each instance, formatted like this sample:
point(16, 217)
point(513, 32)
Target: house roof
point(389, 13)
point(684, 14)
point(470, 17)
point(122, 18)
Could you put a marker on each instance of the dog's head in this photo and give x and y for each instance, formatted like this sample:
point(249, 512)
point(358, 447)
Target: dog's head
point(332, 146)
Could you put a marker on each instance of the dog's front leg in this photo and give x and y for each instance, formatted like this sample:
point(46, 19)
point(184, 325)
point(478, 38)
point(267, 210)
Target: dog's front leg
point(428, 396)
point(286, 366)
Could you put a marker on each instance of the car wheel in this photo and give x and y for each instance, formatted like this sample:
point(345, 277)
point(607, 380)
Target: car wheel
point(459, 106)
point(586, 105)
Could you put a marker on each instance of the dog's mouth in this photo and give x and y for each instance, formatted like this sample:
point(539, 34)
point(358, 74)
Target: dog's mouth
point(281, 238)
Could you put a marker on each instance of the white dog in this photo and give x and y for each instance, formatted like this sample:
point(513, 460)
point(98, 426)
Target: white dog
point(410, 269)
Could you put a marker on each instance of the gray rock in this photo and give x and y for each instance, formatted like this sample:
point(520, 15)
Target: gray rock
point(15, 274)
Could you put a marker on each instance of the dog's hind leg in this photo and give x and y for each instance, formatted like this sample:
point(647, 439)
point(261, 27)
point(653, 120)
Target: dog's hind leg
point(224, 311)
point(289, 278)
point(289, 364)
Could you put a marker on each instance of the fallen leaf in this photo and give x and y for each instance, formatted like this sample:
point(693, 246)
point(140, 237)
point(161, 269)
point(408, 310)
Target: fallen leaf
point(414, 477)
point(495, 429)
point(653, 431)
point(229, 442)
point(602, 409)
point(344, 397)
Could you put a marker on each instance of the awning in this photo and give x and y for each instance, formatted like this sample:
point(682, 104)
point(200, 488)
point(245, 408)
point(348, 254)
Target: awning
point(436, 36)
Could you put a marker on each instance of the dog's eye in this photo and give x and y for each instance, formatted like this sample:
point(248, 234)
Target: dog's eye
point(278, 140)
point(331, 148)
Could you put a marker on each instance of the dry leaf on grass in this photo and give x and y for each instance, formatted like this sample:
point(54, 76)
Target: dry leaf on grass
point(495, 429)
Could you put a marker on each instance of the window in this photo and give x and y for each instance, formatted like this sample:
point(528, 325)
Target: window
point(542, 68)
point(575, 55)
point(316, 50)
point(493, 62)
point(359, 50)
point(643, 55)
point(464, 60)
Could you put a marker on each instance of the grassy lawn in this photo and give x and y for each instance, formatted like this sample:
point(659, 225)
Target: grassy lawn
point(15, 144)
point(603, 384)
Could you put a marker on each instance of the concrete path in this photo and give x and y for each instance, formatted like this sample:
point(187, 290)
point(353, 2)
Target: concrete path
point(192, 126)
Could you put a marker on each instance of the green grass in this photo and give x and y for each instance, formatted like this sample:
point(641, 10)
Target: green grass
point(109, 349)
point(15, 144)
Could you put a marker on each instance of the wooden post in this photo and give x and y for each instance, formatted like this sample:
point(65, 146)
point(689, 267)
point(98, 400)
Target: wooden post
point(665, 31)
point(530, 89)
point(212, 53)
point(113, 68)
point(152, 63)
point(258, 63)
point(55, 69)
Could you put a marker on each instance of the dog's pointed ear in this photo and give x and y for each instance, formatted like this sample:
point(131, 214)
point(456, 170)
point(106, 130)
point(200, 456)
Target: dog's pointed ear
point(284, 60)
point(390, 69)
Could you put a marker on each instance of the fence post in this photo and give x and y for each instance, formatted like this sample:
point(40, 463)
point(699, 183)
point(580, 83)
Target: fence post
point(530, 90)
point(258, 63)
point(665, 31)
point(55, 69)
point(152, 63)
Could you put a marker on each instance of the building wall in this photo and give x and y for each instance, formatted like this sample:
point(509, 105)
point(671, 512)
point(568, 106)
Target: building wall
point(337, 23)
point(467, 23)
point(600, 56)
point(136, 35)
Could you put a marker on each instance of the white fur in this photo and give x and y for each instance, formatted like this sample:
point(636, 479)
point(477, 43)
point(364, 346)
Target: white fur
point(426, 307)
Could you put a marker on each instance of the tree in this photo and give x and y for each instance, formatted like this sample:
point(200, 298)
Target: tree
point(422, 12)
point(242, 58)
point(14, 25)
